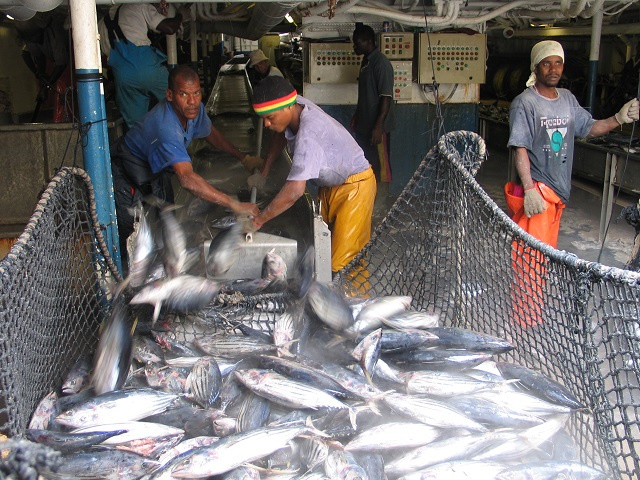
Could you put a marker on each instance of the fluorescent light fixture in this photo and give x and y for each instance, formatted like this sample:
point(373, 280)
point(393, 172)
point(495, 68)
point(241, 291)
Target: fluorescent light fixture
point(9, 16)
point(289, 18)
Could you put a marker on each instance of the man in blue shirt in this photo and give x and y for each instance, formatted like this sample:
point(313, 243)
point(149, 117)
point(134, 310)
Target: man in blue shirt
point(143, 160)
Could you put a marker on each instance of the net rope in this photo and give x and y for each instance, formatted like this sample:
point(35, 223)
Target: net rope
point(444, 242)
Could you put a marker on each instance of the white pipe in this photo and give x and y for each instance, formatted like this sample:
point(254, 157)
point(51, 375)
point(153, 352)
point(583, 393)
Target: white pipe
point(172, 50)
point(596, 34)
point(205, 12)
point(193, 32)
point(413, 20)
point(565, 7)
point(86, 43)
point(591, 10)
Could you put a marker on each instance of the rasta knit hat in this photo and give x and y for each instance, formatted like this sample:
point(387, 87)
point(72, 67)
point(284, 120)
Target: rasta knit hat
point(273, 94)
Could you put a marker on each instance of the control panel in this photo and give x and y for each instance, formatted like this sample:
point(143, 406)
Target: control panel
point(396, 46)
point(452, 58)
point(333, 63)
point(402, 76)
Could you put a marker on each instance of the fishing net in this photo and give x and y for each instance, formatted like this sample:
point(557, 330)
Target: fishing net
point(450, 247)
point(54, 286)
point(444, 242)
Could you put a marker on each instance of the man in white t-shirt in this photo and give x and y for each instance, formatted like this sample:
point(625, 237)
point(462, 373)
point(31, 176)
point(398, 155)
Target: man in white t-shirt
point(139, 69)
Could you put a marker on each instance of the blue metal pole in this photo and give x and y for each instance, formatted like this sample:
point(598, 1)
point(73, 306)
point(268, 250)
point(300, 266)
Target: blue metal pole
point(93, 118)
point(97, 159)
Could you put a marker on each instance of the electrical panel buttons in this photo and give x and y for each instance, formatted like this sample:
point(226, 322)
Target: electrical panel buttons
point(402, 75)
point(396, 46)
point(333, 63)
point(452, 58)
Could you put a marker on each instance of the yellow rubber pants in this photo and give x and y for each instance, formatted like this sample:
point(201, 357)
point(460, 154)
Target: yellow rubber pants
point(347, 210)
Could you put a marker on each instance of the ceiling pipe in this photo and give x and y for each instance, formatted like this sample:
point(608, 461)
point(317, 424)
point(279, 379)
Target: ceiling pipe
point(591, 10)
point(565, 7)
point(264, 17)
point(453, 8)
point(205, 12)
point(618, 29)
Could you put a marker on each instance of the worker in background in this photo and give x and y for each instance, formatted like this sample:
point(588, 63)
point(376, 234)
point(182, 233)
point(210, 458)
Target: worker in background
point(260, 68)
point(323, 152)
point(544, 121)
point(374, 117)
point(139, 69)
point(143, 160)
point(46, 54)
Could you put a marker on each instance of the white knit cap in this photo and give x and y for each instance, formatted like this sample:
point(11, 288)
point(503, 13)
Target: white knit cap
point(539, 52)
point(256, 57)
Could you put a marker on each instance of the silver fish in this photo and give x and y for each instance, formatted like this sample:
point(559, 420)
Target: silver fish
point(233, 346)
point(431, 412)
point(550, 471)
point(288, 327)
point(304, 272)
point(70, 442)
point(412, 319)
point(117, 406)
point(182, 294)
point(204, 382)
point(78, 377)
point(329, 306)
point(524, 442)
point(443, 384)
point(223, 251)
point(254, 412)
point(237, 450)
point(393, 435)
point(144, 252)
point(44, 412)
point(458, 470)
point(440, 451)
point(113, 354)
point(341, 465)
point(144, 438)
point(167, 379)
point(367, 353)
point(274, 268)
point(538, 384)
point(102, 464)
point(174, 242)
point(185, 446)
point(284, 391)
point(371, 315)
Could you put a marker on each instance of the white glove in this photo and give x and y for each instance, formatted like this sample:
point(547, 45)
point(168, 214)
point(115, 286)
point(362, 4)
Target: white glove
point(256, 180)
point(533, 202)
point(629, 112)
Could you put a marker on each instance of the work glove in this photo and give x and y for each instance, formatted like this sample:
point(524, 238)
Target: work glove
point(629, 112)
point(256, 180)
point(251, 162)
point(533, 202)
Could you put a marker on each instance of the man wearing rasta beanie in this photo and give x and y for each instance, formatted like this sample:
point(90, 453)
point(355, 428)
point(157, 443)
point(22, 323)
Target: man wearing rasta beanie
point(325, 153)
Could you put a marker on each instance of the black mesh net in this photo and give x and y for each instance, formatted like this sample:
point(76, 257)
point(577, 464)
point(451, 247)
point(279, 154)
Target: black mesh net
point(444, 242)
point(54, 286)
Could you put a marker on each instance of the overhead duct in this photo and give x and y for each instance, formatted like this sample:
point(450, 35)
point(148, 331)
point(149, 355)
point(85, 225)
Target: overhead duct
point(264, 17)
point(19, 13)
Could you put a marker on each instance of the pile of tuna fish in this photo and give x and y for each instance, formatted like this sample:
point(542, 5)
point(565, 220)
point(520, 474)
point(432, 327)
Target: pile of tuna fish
point(337, 388)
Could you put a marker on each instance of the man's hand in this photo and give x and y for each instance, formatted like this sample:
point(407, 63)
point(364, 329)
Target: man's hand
point(244, 208)
point(376, 135)
point(256, 180)
point(251, 162)
point(629, 112)
point(250, 225)
point(533, 202)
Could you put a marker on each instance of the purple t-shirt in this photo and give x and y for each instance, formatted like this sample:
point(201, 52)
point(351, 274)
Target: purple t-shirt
point(160, 139)
point(546, 127)
point(323, 150)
